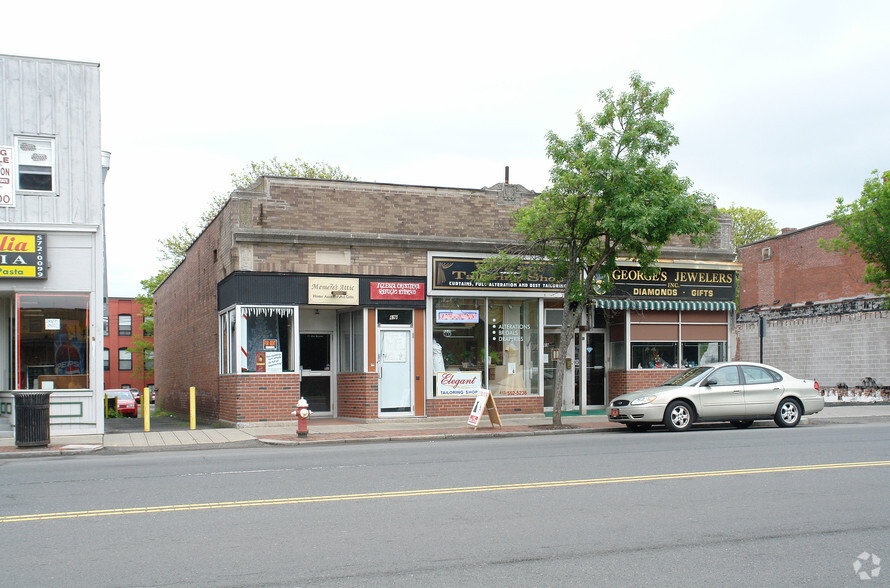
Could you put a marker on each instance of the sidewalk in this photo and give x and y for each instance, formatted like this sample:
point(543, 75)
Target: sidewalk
point(328, 430)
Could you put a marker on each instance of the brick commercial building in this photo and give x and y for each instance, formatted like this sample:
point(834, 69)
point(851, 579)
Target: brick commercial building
point(810, 312)
point(124, 326)
point(357, 297)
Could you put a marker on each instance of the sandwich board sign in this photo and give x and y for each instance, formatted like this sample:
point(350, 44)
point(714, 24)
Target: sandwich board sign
point(484, 403)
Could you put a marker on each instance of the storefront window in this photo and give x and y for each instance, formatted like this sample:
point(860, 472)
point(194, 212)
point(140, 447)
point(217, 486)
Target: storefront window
point(458, 334)
point(498, 338)
point(701, 353)
point(52, 339)
point(512, 346)
point(351, 339)
point(257, 339)
point(653, 355)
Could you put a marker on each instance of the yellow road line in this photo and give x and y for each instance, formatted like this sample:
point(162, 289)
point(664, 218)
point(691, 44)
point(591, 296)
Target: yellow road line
point(431, 492)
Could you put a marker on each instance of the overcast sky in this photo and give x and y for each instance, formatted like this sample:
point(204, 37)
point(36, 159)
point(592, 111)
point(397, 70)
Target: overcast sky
point(781, 106)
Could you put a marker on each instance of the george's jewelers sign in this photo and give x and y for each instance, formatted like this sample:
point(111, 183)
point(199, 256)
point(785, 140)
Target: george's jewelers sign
point(23, 255)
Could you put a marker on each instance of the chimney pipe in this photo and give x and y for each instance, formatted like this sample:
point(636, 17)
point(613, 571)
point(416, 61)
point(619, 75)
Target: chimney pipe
point(506, 174)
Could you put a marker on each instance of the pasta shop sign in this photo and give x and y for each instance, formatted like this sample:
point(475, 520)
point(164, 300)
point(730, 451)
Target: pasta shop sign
point(23, 256)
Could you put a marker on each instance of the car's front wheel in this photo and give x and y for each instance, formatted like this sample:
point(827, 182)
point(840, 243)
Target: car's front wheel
point(788, 413)
point(678, 416)
point(638, 427)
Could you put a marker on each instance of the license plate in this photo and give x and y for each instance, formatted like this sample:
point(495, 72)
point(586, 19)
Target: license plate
point(614, 413)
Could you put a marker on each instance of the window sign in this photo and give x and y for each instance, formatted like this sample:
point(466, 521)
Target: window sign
point(7, 193)
point(457, 316)
point(458, 383)
point(53, 324)
point(274, 362)
point(23, 255)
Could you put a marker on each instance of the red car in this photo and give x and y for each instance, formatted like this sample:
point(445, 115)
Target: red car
point(126, 403)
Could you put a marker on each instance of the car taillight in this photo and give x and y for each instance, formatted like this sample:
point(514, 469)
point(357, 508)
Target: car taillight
point(816, 385)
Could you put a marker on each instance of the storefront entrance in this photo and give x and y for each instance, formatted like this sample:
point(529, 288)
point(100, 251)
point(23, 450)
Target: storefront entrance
point(593, 366)
point(395, 361)
point(315, 381)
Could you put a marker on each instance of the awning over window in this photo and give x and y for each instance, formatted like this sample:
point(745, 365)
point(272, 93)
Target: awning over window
point(612, 304)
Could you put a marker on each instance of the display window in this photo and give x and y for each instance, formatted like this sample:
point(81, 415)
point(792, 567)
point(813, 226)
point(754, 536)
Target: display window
point(672, 339)
point(52, 335)
point(257, 339)
point(512, 346)
point(496, 338)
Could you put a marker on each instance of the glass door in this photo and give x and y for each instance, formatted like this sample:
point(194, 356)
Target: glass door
point(315, 362)
point(595, 369)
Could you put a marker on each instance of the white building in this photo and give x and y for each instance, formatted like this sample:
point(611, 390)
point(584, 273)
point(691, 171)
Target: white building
point(52, 240)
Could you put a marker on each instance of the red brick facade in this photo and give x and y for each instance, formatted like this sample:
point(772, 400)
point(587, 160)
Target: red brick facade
point(791, 268)
point(136, 376)
point(621, 382)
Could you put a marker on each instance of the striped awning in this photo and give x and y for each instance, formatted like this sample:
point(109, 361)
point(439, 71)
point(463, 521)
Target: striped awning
point(615, 304)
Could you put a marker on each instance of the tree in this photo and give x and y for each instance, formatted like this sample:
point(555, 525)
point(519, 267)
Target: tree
point(750, 224)
point(613, 190)
point(865, 228)
point(296, 168)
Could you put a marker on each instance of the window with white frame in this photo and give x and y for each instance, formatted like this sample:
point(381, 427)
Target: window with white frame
point(257, 339)
point(35, 162)
point(124, 325)
point(124, 359)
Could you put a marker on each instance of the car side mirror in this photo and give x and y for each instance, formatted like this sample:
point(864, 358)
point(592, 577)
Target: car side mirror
point(711, 382)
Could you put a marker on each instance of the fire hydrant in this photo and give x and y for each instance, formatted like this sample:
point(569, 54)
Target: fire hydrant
point(302, 413)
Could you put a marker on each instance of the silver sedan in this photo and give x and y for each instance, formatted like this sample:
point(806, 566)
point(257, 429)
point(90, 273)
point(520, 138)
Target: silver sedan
point(738, 392)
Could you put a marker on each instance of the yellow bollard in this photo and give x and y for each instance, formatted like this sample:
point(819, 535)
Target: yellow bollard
point(192, 408)
point(146, 409)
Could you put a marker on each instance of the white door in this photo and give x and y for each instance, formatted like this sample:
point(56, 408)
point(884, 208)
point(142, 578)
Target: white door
point(395, 367)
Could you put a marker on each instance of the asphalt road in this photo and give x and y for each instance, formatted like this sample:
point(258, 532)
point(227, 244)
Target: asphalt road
point(756, 507)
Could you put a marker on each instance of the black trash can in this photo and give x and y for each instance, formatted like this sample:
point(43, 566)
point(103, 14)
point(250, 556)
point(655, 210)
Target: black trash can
point(31, 419)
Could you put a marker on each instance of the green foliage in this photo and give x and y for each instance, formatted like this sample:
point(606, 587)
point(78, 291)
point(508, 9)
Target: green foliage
point(865, 228)
point(296, 168)
point(613, 191)
point(750, 224)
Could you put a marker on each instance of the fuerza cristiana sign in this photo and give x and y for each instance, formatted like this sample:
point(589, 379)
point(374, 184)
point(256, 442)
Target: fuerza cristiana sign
point(23, 256)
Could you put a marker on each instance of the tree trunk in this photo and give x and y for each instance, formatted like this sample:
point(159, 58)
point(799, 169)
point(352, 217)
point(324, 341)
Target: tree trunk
point(571, 314)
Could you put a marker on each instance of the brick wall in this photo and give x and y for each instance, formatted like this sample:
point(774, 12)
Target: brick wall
point(840, 347)
point(257, 398)
point(798, 270)
point(622, 382)
point(186, 331)
point(357, 395)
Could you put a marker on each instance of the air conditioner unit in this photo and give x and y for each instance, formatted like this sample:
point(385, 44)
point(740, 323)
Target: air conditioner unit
point(766, 253)
point(552, 317)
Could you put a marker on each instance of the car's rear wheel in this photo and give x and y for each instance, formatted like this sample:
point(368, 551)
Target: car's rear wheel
point(742, 424)
point(788, 413)
point(638, 427)
point(678, 416)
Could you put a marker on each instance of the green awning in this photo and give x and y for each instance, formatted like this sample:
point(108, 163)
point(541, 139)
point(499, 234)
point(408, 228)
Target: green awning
point(615, 304)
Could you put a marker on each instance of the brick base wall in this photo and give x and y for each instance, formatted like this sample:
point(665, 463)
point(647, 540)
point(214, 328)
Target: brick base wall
point(462, 406)
point(357, 395)
point(622, 382)
point(257, 398)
